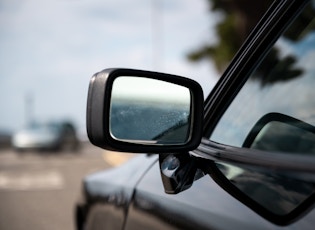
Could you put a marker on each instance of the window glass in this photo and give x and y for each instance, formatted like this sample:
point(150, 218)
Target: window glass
point(283, 84)
point(275, 111)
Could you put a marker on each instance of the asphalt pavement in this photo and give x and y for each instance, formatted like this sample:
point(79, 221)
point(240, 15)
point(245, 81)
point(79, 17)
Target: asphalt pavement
point(38, 190)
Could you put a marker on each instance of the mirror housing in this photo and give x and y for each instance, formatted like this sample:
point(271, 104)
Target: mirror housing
point(183, 134)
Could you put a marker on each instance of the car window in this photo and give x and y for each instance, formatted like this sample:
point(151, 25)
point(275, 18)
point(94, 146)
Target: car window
point(275, 111)
point(280, 90)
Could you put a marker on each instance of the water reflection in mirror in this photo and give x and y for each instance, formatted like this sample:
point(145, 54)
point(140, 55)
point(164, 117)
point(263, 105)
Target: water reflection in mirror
point(149, 111)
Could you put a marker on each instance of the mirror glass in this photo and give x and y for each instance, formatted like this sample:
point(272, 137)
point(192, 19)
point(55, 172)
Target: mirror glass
point(289, 137)
point(284, 195)
point(146, 110)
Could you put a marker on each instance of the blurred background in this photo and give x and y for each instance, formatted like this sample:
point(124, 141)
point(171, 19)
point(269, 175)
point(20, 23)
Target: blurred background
point(49, 51)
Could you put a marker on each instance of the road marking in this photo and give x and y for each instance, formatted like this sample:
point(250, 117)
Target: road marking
point(50, 180)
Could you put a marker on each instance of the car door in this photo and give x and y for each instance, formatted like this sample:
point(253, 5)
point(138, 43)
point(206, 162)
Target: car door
point(203, 206)
point(246, 176)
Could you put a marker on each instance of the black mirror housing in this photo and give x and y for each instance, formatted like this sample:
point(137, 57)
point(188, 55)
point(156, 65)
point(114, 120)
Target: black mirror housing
point(184, 134)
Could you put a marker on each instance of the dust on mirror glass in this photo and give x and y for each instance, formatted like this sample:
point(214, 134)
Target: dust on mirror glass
point(146, 110)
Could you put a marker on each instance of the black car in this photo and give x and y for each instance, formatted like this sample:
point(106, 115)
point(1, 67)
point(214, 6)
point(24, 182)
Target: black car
point(243, 158)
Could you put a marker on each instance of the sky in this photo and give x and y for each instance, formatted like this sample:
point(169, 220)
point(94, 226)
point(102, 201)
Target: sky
point(50, 49)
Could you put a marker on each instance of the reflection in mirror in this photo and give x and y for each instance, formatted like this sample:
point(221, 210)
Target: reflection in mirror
point(279, 194)
point(281, 133)
point(284, 196)
point(277, 136)
point(148, 110)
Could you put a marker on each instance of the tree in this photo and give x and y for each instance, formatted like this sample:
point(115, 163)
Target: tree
point(240, 18)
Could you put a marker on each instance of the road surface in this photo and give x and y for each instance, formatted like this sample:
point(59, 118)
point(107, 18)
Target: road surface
point(38, 190)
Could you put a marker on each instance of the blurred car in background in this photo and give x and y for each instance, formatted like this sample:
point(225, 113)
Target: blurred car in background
point(54, 136)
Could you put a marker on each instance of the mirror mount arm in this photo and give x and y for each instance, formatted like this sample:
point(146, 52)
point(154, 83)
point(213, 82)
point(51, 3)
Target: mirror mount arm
point(177, 172)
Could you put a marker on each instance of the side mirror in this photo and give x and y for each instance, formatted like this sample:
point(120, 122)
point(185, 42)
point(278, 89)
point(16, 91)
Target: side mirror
point(141, 111)
point(281, 196)
point(281, 133)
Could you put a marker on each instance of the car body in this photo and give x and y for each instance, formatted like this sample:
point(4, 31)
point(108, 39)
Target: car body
point(253, 168)
point(46, 136)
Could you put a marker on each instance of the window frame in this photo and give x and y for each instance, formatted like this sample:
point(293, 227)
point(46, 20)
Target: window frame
point(255, 48)
point(259, 43)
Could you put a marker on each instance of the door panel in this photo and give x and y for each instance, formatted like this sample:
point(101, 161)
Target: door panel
point(203, 206)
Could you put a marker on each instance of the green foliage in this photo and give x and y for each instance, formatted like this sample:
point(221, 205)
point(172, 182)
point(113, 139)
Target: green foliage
point(240, 18)
point(222, 52)
point(238, 22)
point(273, 69)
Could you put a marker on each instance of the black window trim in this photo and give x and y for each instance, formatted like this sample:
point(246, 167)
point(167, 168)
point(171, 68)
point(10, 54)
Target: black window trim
point(260, 41)
point(211, 168)
point(272, 25)
point(211, 150)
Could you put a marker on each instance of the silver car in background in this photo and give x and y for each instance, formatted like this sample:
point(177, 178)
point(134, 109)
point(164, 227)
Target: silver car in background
point(52, 136)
